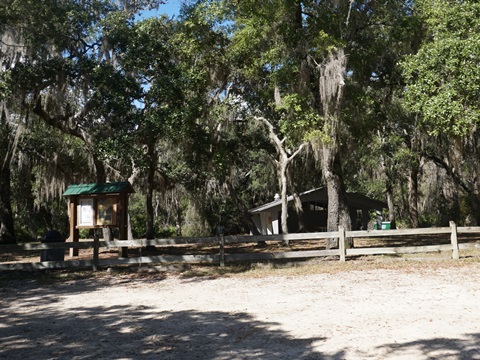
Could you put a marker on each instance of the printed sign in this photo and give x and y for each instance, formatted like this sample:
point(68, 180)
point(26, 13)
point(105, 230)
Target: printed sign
point(85, 212)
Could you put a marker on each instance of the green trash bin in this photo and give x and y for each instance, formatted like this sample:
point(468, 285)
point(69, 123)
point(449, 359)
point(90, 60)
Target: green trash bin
point(386, 225)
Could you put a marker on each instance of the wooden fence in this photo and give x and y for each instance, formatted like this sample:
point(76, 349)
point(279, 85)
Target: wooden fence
point(222, 242)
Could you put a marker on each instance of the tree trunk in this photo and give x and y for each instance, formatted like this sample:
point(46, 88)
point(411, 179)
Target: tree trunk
point(131, 180)
point(475, 202)
point(467, 187)
point(101, 177)
point(7, 229)
point(390, 203)
point(331, 91)
point(150, 232)
point(282, 167)
point(338, 211)
point(297, 202)
point(298, 207)
point(129, 228)
point(152, 159)
point(284, 198)
point(178, 223)
point(100, 173)
point(246, 215)
point(413, 197)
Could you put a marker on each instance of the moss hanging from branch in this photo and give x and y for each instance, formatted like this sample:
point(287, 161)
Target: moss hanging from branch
point(331, 82)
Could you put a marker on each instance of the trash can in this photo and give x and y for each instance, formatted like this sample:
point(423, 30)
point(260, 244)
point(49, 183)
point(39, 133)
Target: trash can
point(52, 236)
point(385, 225)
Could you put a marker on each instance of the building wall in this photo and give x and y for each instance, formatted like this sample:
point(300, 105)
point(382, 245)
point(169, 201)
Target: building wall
point(268, 222)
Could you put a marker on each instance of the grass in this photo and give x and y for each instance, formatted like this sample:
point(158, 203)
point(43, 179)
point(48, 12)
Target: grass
point(404, 263)
point(407, 263)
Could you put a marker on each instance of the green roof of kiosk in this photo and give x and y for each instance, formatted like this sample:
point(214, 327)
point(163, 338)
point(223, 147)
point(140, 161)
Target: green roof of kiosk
point(100, 188)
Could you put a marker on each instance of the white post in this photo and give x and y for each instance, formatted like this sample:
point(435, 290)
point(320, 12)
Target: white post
point(454, 240)
point(341, 243)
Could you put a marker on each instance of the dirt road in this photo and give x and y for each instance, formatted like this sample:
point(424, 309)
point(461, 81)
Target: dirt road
point(374, 314)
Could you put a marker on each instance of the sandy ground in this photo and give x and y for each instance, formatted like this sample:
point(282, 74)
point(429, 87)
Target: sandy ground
point(374, 314)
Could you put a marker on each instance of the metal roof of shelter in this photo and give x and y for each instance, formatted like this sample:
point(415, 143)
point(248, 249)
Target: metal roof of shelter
point(99, 188)
point(319, 196)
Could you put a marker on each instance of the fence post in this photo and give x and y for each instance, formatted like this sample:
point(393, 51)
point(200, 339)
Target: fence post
point(95, 251)
point(222, 250)
point(454, 240)
point(341, 243)
point(221, 238)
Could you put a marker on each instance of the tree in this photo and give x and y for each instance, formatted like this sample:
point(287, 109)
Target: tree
point(218, 176)
point(7, 230)
point(198, 106)
point(262, 73)
point(442, 88)
point(58, 63)
point(311, 52)
point(282, 164)
point(145, 51)
point(387, 137)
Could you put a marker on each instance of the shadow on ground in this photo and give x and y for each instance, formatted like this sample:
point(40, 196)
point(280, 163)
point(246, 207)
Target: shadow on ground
point(138, 332)
point(466, 348)
point(34, 326)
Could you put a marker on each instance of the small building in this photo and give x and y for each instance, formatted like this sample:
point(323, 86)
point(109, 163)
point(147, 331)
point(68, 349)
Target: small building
point(267, 217)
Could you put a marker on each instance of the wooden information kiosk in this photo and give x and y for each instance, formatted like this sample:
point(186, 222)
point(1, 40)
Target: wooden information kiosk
point(97, 206)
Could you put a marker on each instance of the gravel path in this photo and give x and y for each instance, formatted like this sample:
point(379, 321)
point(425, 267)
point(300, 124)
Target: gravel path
point(374, 314)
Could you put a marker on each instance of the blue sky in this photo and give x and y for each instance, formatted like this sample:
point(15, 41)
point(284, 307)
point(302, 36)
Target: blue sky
point(171, 7)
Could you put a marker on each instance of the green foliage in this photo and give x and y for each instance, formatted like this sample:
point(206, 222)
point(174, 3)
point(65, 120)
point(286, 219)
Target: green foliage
point(5, 90)
point(167, 232)
point(299, 120)
point(172, 100)
point(195, 224)
point(138, 215)
point(138, 220)
point(442, 78)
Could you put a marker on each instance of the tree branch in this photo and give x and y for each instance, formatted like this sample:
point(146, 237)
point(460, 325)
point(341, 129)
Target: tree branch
point(62, 122)
point(443, 165)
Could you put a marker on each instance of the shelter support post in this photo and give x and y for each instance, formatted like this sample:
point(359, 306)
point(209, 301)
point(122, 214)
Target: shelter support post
point(74, 232)
point(123, 224)
point(95, 252)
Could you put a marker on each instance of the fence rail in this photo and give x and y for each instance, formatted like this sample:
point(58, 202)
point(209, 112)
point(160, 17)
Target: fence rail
point(222, 257)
